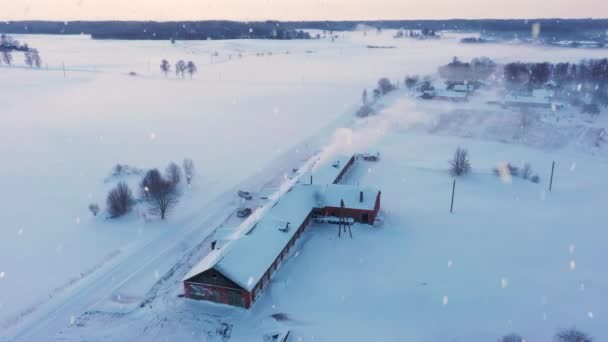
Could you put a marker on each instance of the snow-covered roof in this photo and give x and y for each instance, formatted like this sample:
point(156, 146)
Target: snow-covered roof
point(246, 260)
point(527, 99)
point(542, 93)
point(462, 87)
point(450, 93)
point(329, 171)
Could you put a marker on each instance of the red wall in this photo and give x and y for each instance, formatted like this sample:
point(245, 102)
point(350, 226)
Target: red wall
point(223, 293)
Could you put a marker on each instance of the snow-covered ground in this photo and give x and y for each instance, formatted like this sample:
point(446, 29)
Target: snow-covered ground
point(512, 258)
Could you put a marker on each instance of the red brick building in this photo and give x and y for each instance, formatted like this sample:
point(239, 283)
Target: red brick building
point(238, 273)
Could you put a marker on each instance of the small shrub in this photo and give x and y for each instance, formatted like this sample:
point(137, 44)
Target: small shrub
point(460, 164)
point(512, 338)
point(94, 208)
point(120, 200)
point(572, 335)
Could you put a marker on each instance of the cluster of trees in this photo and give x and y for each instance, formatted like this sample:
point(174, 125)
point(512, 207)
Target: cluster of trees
point(8, 45)
point(480, 68)
point(160, 192)
point(384, 87)
point(32, 58)
point(567, 335)
point(181, 68)
point(590, 70)
point(418, 34)
point(184, 30)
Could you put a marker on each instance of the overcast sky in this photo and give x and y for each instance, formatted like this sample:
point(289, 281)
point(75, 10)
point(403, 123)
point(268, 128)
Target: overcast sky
point(297, 9)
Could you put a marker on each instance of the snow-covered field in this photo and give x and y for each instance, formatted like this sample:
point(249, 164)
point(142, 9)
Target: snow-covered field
point(512, 258)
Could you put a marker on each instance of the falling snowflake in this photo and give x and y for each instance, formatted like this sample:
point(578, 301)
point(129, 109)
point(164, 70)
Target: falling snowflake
point(572, 265)
point(152, 136)
point(450, 263)
point(590, 315)
point(72, 320)
point(2, 274)
point(445, 300)
point(571, 248)
point(504, 282)
point(573, 166)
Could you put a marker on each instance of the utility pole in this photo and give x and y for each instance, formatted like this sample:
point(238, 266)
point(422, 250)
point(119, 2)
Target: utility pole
point(551, 181)
point(453, 191)
point(63, 66)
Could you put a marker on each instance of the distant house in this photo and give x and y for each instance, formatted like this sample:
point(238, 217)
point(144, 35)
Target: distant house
point(536, 100)
point(464, 88)
point(238, 273)
point(445, 95)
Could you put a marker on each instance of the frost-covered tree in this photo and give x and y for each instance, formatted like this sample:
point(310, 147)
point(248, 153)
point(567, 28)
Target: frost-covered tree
point(460, 164)
point(191, 68)
point(7, 58)
point(29, 61)
point(165, 67)
point(94, 208)
point(174, 173)
point(572, 335)
point(36, 60)
point(161, 194)
point(180, 68)
point(364, 97)
point(410, 81)
point(151, 178)
point(188, 166)
point(120, 200)
point(385, 86)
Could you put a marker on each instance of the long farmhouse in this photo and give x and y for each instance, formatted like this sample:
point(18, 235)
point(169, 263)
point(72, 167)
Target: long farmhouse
point(238, 273)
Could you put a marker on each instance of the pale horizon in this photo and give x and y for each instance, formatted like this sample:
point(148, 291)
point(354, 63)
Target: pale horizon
point(290, 10)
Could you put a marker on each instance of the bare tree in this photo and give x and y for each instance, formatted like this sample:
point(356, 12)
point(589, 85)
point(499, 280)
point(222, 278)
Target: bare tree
point(385, 86)
point(191, 68)
point(165, 67)
point(411, 81)
point(180, 68)
point(120, 200)
point(151, 180)
point(7, 57)
point(29, 61)
point(174, 173)
point(460, 164)
point(188, 166)
point(36, 58)
point(162, 196)
point(94, 208)
point(572, 335)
